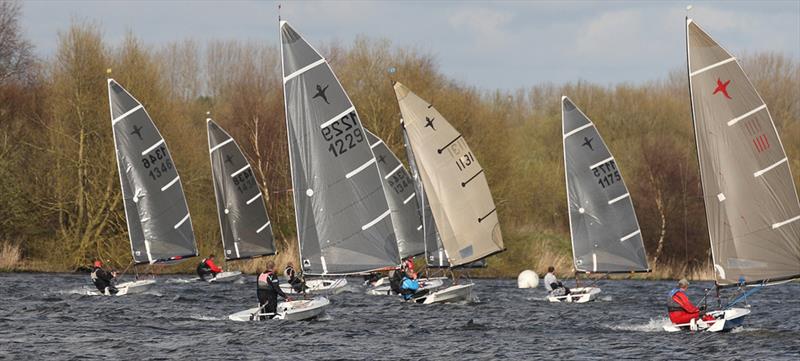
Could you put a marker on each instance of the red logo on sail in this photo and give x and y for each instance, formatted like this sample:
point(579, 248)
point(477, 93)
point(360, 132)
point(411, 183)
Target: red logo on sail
point(722, 87)
point(761, 143)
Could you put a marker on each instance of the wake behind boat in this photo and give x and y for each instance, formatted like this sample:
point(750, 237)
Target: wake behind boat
point(604, 230)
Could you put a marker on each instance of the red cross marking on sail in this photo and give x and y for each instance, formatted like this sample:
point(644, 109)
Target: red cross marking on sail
point(722, 87)
point(761, 143)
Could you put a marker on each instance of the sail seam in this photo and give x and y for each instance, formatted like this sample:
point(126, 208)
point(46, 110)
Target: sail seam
point(181, 222)
point(303, 70)
point(251, 200)
point(123, 116)
point(604, 161)
point(220, 145)
point(767, 169)
point(409, 198)
point(393, 171)
point(577, 130)
point(630, 235)
point(154, 146)
point(376, 144)
point(240, 170)
point(745, 115)
point(329, 122)
point(780, 224)
point(376, 220)
point(464, 184)
point(615, 200)
point(359, 169)
point(712, 66)
point(170, 183)
point(264, 226)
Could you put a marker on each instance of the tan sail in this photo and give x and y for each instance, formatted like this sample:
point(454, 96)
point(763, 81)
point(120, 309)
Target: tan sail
point(454, 181)
point(751, 201)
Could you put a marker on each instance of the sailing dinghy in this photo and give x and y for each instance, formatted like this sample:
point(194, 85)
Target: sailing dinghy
point(159, 226)
point(402, 199)
point(454, 182)
point(751, 202)
point(603, 227)
point(244, 224)
point(343, 220)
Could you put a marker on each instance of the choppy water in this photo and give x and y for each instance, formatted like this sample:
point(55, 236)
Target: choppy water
point(50, 316)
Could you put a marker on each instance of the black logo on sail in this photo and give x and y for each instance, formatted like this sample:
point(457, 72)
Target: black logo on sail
point(587, 142)
point(137, 130)
point(429, 123)
point(321, 93)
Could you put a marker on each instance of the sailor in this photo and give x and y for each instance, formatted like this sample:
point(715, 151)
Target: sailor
point(681, 310)
point(207, 267)
point(409, 286)
point(294, 281)
point(553, 285)
point(408, 265)
point(268, 289)
point(103, 280)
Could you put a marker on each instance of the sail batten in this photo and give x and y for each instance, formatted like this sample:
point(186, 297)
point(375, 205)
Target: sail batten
point(604, 231)
point(340, 206)
point(156, 213)
point(241, 210)
point(743, 162)
point(454, 182)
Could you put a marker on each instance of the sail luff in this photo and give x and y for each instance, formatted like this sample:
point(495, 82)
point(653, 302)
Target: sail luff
point(340, 203)
point(156, 212)
point(245, 227)
point(751, 202)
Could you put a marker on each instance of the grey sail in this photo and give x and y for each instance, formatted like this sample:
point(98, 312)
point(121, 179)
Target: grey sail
point(455, 184)
point(435, 254)
point(605, 232)
point(751, 201)
point(343, 221)
point(245, 227)
point(159, 226)
point(401, 197)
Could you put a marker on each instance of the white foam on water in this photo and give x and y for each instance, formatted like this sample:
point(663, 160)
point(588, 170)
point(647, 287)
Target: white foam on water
point(182, 280)
point(208, 318)
point(84, 291)
point(654, 325)
point(606, 298)
point(745, 329)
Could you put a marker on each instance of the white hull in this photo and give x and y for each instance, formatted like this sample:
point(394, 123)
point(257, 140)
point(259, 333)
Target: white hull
point(225, 277)
point(424, 284)
point(577, 295)
point(724, 320)
point(454, 293)
point(318, 286)
point(127, 288)
point(292, 310)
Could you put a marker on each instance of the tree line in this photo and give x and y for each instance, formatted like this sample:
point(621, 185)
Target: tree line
point(60, 202)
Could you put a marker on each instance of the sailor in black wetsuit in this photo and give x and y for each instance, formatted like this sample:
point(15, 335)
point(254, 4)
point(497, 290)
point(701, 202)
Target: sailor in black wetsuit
point(296, 283)
point(103, 280)
point(268, 289)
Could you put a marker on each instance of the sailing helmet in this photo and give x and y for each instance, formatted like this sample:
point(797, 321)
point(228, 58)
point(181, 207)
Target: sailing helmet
point(98, 263)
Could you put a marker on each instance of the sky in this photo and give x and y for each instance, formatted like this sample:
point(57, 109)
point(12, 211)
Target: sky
point(491, 45)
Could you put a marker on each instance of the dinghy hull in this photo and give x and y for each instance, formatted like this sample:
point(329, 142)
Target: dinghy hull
point(454, 293)
point(577, 295)
point(225, 277)
point(318, 286)
point(424, 283)
point(724, 321)
point(291, 311)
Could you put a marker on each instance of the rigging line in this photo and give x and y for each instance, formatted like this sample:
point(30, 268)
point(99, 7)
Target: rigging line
point(448, 144)
point(464, 184)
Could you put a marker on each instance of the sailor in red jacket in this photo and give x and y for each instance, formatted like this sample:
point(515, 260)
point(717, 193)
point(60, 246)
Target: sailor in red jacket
point(207, 267)
point(681, 310)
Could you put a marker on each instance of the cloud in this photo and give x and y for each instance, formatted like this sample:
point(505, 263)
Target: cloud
point(485, 25)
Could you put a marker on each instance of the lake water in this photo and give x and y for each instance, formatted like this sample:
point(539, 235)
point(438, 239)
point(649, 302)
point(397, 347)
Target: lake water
point(51, 316)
